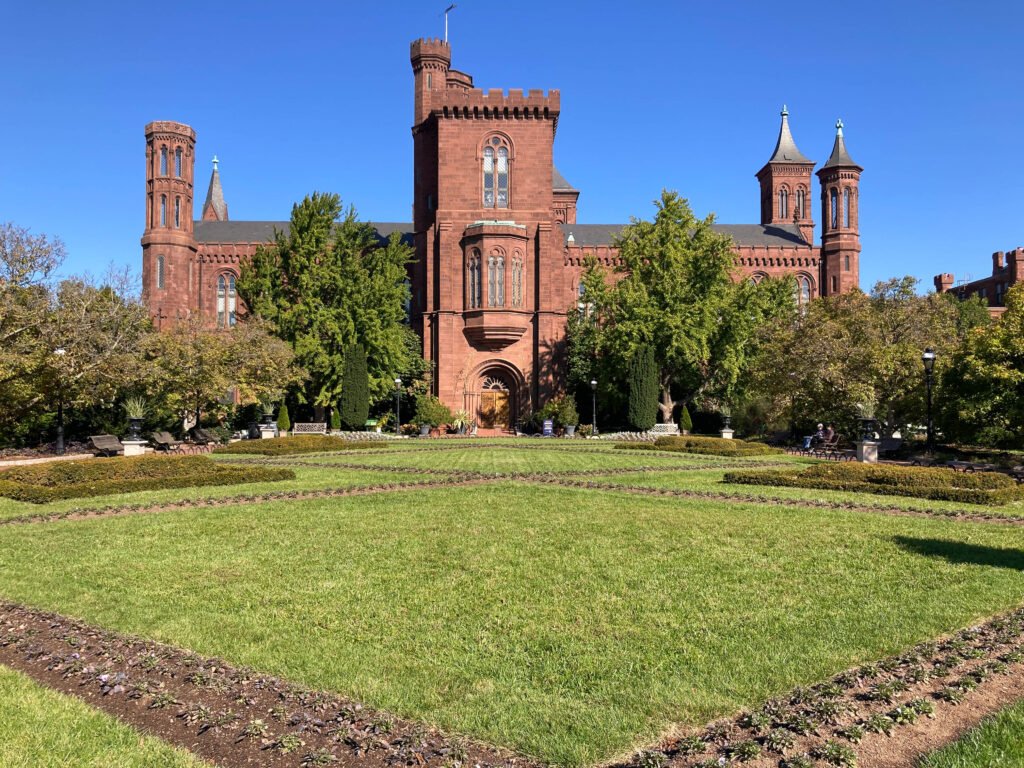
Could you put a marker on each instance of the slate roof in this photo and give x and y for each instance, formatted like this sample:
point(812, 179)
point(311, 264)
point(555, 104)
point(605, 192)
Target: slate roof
point(785, 147)
point(839, 154)
point(215, 197)
point(558, 182)
point(786, 235)
point(262, 231)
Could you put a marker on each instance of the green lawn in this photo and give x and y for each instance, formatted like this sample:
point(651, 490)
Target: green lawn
point(40, 728)
point(567, 623)
point(997, 743)
point(711, 480)
point(306, 478)
point(509, 459)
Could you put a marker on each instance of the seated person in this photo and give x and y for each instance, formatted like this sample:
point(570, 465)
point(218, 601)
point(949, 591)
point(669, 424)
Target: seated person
point(830, 434)
point(819, 435)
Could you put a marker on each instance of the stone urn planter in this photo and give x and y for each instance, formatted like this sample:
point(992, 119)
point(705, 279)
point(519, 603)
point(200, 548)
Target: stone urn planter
point(134, 428)
point(424, 430)
point(570, 430)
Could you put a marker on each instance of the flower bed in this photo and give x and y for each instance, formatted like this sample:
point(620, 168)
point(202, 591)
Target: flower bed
point(892, 480)
point(284, 446)
point(41, 483)
point(711, 446)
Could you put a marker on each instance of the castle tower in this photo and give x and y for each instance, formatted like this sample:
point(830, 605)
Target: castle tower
point(431, 59)
point(215, 208)
point(786, 185)
point(840, 234)
point(168, 243)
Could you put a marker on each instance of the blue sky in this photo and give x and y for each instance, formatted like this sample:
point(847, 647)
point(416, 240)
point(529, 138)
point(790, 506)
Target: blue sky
point(303, 96)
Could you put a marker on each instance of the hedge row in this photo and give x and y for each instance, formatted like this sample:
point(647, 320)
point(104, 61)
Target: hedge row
point(42, 483)
point(285, 446)
point(918, 482)
point(711, 446)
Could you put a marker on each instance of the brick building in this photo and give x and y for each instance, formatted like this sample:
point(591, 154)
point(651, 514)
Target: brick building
point(1007, 270)
point(498, 248)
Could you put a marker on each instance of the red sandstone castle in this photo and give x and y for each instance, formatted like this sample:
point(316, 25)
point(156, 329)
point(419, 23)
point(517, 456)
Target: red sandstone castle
point(498, 250)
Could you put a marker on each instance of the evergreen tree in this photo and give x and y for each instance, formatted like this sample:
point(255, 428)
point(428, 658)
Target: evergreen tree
point(335, 418)
point(643, 389)
point(354, 403)
point(685, 422)
point(284, 423)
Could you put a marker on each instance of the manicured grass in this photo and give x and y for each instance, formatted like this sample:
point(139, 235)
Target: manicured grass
point(567, 623)
point(501, 459)
point(711, 480)
point(40, 727)
point(306, 478)
point(997, 743)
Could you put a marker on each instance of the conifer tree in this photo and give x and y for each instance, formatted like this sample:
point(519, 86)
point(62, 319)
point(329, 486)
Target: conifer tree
point(685, 422)
point(643, 389)
point(354, 403)
point(284, 422)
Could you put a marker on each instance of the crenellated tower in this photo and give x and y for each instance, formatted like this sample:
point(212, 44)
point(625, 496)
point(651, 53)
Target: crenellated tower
point(168, 242)
point(786, 185)
point(840, 233)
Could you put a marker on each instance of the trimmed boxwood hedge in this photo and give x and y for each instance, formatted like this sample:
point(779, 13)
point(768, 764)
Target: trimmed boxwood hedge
point(40, 483)
point(935, 483)
point(711, 446)
point(285, 446)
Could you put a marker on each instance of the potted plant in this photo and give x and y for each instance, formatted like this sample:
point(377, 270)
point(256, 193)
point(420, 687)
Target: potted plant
point(431, 412)
point(135, 409)
point(566, 416)
point(461, 421)
point(267, 409)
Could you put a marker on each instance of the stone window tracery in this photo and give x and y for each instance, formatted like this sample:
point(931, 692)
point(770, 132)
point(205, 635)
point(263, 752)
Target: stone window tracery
point(496, 172)
point(493, 384)
point(475, 283)
point(517, 281)
point(160, 272)
point(803, 289)
point(226, 298)
point(500, 283)
point(490, 281)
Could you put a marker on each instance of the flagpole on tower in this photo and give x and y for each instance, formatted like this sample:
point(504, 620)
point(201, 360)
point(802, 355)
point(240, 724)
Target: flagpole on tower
point(450, 7)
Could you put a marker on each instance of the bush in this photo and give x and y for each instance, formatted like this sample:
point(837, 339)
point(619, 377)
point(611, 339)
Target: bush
point(40, 483)
point(712, 446)
point(285, 446)
point(335, 418)
point(430, 410)
point(934, 483)
point(283, 422)
point(643, 389)
point(685, 422)
point(354, 404)
point(560, 409)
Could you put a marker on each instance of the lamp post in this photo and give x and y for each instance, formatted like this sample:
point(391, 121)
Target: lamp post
point(928, 358)
point(398, 407)
point(60, 352)
point(593, 399)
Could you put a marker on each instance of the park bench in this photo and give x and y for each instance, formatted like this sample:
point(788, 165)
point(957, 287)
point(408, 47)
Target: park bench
point(1017, 473)
point(108, 445)
point(970, 466)
point(889, 445)
point(310, 428)
point(167, 443)
point(826, 449)
point(202, 437)
point(922, 461)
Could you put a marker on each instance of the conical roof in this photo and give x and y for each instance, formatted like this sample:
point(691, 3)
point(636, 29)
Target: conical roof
point(785, 147)
point(215, 208)
point(839, 154)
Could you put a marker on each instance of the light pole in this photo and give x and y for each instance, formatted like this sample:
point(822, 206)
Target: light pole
point(593, 398)
point(928, 358)
point(60, 352)
point(398, 407)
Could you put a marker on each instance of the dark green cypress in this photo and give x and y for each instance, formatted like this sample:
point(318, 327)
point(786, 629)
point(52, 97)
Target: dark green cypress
point(354, 403)
point(643, 389)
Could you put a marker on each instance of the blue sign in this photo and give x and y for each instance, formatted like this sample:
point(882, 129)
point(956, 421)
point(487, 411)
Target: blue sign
point(549, 426)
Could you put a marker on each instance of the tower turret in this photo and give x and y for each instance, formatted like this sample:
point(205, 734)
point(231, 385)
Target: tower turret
point(168, 243)
point(431, 59)
point(840, 233)
point(215, 208)
point(786, 185)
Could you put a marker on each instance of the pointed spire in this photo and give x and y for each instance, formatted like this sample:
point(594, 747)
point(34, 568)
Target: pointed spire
point(215, 209)
point(785, 148)
point(839, 154)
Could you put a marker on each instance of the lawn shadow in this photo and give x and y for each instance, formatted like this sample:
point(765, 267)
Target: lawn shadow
point(967, 554)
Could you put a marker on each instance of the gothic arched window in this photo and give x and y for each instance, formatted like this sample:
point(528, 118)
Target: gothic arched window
point(231, 300)
point(834, 202)
point(846, 207)
point(500, 283)
point(163, 210)
point(783, 204)
point(491, 281)
point(177, 162)
point(473, 279)
point(221, 291)
point(803, 289)
point(800, 203)
point(177, 212)
point(496, 173)
point(163, 161)
point(517, 281)
point(160, 272)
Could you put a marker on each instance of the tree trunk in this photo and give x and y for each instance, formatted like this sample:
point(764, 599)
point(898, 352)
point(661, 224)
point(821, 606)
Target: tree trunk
point(667, 405)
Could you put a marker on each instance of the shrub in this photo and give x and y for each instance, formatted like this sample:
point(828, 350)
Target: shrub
point(643, 389)
point(934, 483)
point(354, 404)
point(335, 418)
point(284, 446)
point(713, 446)
point(283, 422)
point(560, 409)
point(685, 422)
point(41, 483)
point(430, 410)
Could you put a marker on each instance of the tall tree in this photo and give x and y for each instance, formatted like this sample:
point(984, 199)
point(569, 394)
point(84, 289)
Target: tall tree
point(328, 283)
point(643, 389)
point(354, 404)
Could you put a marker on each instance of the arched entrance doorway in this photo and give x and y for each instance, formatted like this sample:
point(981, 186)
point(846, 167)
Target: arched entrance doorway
point(495, 409)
